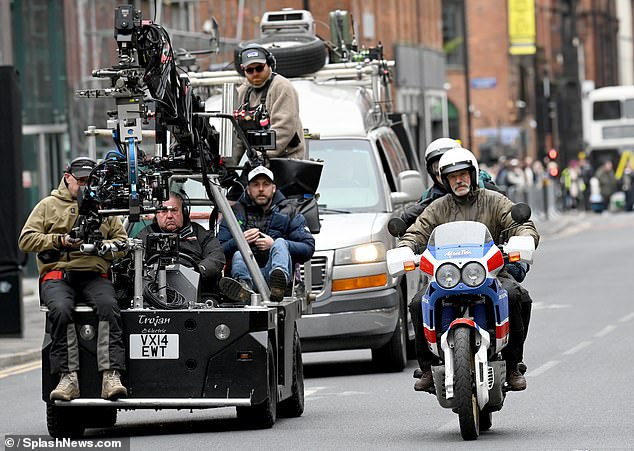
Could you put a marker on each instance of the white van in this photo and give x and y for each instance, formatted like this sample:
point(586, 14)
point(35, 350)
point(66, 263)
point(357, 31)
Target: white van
point(366, 180)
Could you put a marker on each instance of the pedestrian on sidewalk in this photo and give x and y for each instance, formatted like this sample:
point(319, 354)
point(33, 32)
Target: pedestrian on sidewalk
point(66, 273)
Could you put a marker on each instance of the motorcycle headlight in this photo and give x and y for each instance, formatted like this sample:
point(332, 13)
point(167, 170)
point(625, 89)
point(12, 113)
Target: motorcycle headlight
point(473, 274)
point(365, 253)
point(448, 275)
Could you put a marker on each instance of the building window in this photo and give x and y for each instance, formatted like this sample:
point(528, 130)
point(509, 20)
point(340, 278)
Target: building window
point(453, 31)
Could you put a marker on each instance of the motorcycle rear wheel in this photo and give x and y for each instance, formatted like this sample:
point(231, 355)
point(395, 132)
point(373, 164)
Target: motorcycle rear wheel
point(464, 387)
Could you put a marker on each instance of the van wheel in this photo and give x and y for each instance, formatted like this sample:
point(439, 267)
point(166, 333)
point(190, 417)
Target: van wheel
point(294, 54)
point(392, 356)
point(64, 422)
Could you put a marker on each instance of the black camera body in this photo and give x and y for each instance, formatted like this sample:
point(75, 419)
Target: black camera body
point(165, 245)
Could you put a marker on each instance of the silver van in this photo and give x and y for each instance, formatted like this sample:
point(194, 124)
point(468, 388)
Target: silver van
point(367, 179)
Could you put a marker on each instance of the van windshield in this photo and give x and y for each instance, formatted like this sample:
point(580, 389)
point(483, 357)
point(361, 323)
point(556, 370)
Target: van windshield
point(350, 178)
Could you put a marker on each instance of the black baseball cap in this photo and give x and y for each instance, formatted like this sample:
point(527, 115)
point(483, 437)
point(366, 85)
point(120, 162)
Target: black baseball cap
point(81, 167)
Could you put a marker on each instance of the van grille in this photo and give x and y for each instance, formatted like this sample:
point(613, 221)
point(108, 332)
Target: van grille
point(319, 265)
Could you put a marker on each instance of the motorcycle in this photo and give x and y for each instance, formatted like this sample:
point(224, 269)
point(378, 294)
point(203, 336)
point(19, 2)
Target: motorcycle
point(465, 312)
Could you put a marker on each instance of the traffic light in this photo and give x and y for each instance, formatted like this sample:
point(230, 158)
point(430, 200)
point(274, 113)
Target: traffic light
point(553, 163)
point(553, 154)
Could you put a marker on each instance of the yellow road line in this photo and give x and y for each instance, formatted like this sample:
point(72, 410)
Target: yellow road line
point(19, 369)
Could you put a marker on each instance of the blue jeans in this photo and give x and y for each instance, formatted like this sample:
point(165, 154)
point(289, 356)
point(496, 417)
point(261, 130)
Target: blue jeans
point(279, 257)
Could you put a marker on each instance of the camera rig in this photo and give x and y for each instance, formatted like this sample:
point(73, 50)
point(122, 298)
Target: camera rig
point(128, 181)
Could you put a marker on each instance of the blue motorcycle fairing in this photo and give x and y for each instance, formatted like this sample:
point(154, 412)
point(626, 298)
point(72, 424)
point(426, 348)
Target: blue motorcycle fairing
point(471, 251)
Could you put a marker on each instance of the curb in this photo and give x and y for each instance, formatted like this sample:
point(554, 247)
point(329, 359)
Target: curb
point(8, 360)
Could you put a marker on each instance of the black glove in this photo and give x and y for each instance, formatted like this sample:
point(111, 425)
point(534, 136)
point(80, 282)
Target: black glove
point(517, 270)
point(68, 241)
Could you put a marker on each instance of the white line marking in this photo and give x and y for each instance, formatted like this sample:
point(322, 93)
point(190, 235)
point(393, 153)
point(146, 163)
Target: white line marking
point(19, 369)
point(627, 318)
point(542, 369)
point(577, 348)
point(606, 330)
point(311, 391)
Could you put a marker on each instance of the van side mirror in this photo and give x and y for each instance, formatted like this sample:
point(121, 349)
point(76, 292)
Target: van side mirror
point(410, 186)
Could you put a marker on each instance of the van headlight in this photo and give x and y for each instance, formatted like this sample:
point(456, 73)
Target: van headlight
point(473, 274)
point(365, 253)
point(448, 275)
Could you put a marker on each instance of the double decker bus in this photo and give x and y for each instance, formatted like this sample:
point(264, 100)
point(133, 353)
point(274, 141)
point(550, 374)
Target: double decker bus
point(610, 125)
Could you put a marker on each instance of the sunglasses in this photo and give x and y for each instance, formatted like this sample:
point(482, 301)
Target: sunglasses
point(258, 69)
point(80, 180)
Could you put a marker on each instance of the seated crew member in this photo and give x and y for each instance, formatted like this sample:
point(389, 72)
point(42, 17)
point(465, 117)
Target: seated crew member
point(193, 240)
point(276, 232)
point(65, 273)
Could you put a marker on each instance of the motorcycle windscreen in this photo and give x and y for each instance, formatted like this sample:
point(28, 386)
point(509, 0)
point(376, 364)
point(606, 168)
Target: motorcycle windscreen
point(467, 239)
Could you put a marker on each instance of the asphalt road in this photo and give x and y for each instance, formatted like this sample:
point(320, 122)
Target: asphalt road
point(579, 378)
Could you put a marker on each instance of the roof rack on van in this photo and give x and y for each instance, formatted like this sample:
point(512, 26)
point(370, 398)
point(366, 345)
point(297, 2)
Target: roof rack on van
point(374, 75)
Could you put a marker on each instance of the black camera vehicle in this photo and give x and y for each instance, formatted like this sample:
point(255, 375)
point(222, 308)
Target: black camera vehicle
point(182, 352)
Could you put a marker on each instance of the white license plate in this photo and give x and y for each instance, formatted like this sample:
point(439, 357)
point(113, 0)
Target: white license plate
point(154, 346)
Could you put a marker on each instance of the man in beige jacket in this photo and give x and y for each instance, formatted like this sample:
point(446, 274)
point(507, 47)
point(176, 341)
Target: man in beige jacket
point(67, 273)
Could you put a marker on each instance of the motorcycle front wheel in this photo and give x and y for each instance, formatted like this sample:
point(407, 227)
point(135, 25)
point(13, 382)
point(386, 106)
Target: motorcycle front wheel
point(464, 386)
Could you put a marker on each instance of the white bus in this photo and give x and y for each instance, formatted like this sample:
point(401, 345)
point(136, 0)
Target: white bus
point(610, 124)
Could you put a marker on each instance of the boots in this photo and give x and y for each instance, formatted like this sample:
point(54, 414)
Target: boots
point(425, 382)
point(111, 387)
point(235, 290)
point(516, 380)
point(278, 285)
point(68, 387)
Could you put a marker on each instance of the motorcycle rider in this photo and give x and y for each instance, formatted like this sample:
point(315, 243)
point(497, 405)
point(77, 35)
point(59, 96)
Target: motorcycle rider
point(434, 151)
point(459, 172)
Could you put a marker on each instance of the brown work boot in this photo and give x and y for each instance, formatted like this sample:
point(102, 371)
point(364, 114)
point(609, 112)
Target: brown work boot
point(425, 382)
point(235, 290)
point(278, 285)
point(516, 381)
point(68, 387)
point(111, 387)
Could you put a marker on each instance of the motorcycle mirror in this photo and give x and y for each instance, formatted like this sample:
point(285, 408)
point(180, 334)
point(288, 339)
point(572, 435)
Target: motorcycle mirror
point(396, 227)
point(521, 212)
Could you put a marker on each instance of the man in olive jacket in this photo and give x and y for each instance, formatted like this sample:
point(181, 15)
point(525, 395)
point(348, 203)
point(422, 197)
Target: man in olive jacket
point(458, 170)
point(67, 274)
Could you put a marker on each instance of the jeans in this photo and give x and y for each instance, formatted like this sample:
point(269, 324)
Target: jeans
point(279, 257)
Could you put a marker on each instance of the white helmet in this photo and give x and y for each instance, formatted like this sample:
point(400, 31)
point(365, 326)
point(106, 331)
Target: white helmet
point(458, 159)
point(436, 149)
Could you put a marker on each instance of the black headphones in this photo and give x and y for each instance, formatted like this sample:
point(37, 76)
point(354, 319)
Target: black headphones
point(270, 58)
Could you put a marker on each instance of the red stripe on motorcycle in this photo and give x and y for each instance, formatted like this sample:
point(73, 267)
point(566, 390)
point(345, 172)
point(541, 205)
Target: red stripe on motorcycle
point(502, 330)
point(430, 335)
point(467, 321)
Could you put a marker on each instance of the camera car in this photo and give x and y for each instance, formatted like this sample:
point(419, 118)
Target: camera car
point(182, 351)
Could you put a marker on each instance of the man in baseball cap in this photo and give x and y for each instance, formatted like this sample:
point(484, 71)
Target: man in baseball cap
point(276, 233)
point(81, 167)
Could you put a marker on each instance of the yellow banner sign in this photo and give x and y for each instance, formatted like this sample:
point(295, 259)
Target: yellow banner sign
point(521, 27)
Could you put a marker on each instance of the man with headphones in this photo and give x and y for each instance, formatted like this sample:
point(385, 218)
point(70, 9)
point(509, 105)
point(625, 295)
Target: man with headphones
point(194, 240)
point(67, 275)
point(265, 87)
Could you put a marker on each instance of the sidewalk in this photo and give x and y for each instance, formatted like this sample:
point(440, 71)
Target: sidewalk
point(16, 351)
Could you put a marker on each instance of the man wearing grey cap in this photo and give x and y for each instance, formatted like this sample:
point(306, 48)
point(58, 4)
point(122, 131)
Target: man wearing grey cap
point(67, 274)
point(276, 233)
point(265, 87)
